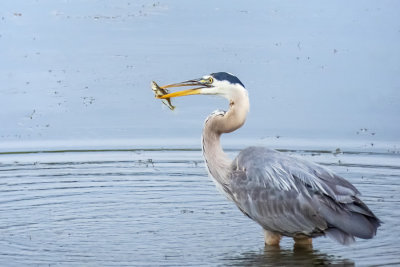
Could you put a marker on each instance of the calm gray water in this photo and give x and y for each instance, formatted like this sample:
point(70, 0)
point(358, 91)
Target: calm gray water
point(83, 69)
point(75, 73)
point(158, 207)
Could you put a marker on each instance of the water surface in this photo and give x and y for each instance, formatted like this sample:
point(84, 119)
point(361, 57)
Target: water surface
point(83, 69)
point(80, 71)
point(158, 207)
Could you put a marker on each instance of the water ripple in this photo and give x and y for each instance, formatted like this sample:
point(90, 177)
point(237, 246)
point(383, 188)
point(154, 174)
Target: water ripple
point(130, 207)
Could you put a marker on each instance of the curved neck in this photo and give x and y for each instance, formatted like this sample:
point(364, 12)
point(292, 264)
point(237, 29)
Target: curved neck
point(218, 163)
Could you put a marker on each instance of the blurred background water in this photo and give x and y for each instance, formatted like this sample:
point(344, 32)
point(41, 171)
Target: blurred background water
point(81, 70)
point(323, 79)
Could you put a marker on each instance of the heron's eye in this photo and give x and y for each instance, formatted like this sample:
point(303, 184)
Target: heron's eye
point(210, 80)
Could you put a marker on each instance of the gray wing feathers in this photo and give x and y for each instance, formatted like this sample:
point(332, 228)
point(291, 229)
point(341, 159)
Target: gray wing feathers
point(287, 212)
point(293, 196)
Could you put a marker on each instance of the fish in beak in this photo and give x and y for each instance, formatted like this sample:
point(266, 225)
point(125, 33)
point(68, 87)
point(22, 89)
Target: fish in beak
point(159, 92)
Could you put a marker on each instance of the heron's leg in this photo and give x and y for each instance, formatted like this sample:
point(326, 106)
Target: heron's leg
point(302, 241)
point(271, 238)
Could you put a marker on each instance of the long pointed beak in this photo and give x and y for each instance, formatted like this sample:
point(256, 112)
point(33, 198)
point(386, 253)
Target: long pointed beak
point(185, 83)
point(194, 91)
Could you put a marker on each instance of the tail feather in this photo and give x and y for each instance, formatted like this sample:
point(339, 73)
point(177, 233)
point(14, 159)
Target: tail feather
point(349, 220)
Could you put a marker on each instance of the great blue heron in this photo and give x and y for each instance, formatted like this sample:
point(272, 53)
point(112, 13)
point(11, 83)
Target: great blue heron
point(286, 195)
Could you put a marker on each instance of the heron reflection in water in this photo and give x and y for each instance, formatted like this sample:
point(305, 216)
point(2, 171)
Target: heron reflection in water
point(287, 196)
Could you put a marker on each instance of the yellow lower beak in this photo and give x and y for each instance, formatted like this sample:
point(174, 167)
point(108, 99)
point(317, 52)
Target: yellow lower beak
point(195, 91)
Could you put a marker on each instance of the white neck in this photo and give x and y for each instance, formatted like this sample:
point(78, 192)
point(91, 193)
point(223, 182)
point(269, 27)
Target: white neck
point(217, 123)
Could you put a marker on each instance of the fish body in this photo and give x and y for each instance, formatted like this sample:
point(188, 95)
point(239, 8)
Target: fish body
point(158, 91)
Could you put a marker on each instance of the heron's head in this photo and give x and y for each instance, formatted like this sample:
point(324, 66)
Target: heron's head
point(219, 83)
